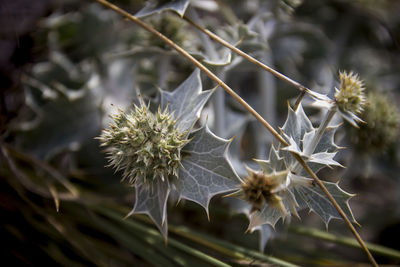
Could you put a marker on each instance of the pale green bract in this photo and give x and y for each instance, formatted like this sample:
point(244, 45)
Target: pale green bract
point(296, 190)
point(204, 171)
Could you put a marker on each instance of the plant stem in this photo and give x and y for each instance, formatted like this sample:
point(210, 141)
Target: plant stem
point(197, 64)
point(317, 137)
point(248, 108)
point(246, 56)
point(298, 100)
point(337, 207)
point(321, 129)
point(350, 242)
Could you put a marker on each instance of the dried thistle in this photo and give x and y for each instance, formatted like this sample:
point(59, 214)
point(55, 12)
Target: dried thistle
point(260, 188)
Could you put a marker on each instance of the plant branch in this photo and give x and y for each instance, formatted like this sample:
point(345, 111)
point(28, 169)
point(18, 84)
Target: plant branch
point(198, 64)
point(248, 108)
point(247, 56)
point(337, 207)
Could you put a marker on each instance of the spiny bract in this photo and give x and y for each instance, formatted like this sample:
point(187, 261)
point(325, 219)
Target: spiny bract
point(350, 96)
point(260, 188)
point(143, 144)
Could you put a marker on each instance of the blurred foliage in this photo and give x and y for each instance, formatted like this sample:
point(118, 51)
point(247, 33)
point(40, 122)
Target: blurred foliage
point(64, 63)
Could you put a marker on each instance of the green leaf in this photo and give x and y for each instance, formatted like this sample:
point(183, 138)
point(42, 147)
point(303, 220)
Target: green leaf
point(206, 170)
point(311, 196)
point(187, 101)
point(179, 6)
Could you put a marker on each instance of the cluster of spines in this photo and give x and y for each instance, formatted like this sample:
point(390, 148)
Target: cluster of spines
point(260, 188)
point(144, 145)
point(350, 97)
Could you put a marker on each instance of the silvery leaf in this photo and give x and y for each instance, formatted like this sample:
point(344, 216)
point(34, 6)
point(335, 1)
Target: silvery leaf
point(151, 199)
point(206, 170)
point(186, 101)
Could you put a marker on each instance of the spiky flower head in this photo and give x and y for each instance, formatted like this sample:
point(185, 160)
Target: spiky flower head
point(350, 97)
point(260, 188)
point(381, 126)
point(144, 145)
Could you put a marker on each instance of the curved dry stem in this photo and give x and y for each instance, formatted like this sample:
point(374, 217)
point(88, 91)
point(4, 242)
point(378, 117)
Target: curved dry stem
point(277, 74)
point(248, 108)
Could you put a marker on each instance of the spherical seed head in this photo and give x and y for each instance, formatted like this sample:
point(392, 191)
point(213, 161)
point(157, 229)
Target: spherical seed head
point(259, 188)
point(382, 123)
point(350, 97)
point(144, 145)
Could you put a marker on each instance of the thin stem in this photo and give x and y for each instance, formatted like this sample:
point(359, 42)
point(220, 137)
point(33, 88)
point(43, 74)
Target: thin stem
point(197, 64)
point(298, 100)
point(317, 137)
point(337, 207)
point(248, 108)
point(321, 129)
point(246, 56)
point(350, 242)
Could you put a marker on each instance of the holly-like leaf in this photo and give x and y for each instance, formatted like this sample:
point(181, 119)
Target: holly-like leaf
point(179, 6)
point(326, 143)
point(297, 125)
point(270, 214)
point(206, 168)
point(266, 233)
point(275, 163)
point(311, 196)
point(151, 199)
point(302, 137)
point(187, 101)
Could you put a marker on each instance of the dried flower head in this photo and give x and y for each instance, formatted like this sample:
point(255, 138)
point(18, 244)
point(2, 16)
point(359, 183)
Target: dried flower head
point(381, 126)
point(144, 145)
point(350, 97)
point(260, 188)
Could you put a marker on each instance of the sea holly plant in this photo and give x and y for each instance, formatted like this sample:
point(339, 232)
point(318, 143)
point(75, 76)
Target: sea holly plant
point(281, 187)
point(159, 152)
point(287, 181)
